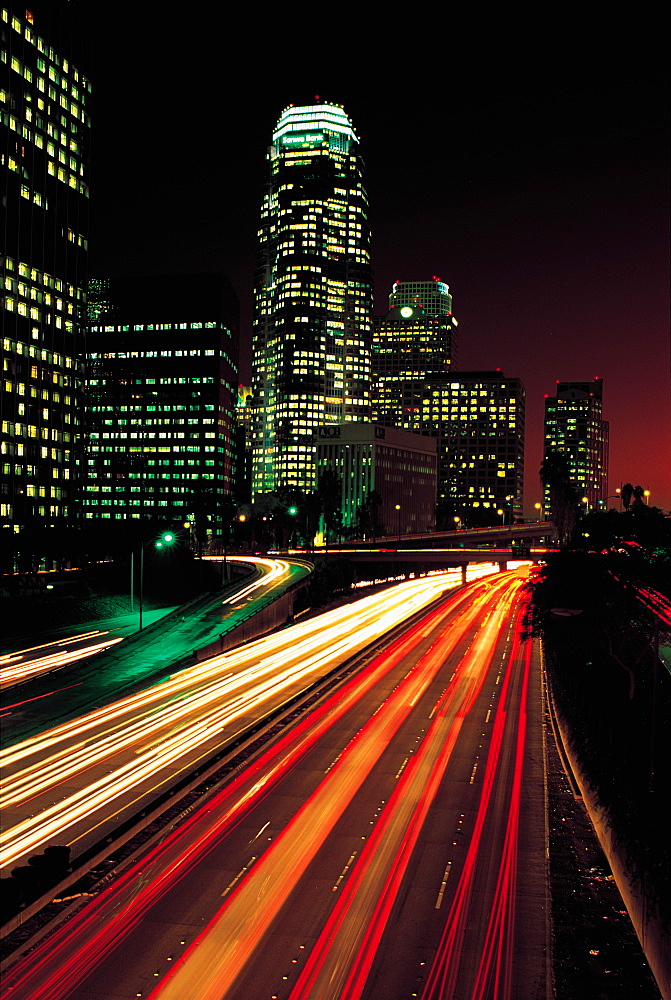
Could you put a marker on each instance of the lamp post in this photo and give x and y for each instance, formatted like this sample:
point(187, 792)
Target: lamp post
point(398, 520)
point(585, 500)
point(166, 539)
point(457, 523)
point(646, 494)
point(539, 507)
point(503, 515)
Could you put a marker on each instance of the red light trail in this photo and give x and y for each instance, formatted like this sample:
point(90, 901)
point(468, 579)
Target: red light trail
point(359, 913)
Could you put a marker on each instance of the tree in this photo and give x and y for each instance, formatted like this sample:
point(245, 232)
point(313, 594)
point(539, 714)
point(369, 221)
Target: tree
point(638, 492)
point(310, 517)
point(555, 477)
point(368, 515)
point(329, 490)
point(626, 494)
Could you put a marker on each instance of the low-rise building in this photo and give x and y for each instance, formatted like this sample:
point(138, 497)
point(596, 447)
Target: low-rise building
point(398, 466)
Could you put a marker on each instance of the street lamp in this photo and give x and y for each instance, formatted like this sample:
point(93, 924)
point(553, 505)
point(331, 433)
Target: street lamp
point(539, 506)
point(163, 541)
point(646, 494)
point(585, 500)
point(457, 523)
point(398, 518)
point(503, 515)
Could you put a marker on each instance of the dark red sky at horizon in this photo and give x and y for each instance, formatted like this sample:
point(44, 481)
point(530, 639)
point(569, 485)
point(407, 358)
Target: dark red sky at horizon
point(539, 195)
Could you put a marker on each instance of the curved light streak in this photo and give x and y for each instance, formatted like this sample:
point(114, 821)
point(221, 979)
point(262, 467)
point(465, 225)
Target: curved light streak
point(55, 968)
point(145, 736)
point(210, 966)
point(14, 672)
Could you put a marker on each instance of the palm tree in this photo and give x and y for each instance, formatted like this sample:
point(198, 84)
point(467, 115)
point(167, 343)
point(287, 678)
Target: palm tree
point(556, 479)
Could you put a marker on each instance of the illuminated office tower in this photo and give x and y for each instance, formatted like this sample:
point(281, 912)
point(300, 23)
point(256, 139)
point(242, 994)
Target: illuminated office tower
point(478, 421)
point(45, 105)
point(311, 343)
point(432, 297)
point(481, 454)
point(161, 392)
point(414, 349)
point(399, 467)
point(574, 426)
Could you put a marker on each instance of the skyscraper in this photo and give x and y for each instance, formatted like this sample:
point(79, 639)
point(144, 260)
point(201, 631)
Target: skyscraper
point(313, 294)
point(432, 297)
point(414, 350)
point(45, 125)
point(482, 449)
point(161, 389)
point(574, 426)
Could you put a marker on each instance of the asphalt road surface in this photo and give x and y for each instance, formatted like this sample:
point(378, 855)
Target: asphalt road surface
point(391, 844)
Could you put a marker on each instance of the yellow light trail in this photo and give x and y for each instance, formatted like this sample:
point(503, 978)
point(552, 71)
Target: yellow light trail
point(11, 674)
point(142, 739)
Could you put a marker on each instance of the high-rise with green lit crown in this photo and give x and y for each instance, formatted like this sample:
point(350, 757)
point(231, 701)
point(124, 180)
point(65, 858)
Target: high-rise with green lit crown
point(313, 294)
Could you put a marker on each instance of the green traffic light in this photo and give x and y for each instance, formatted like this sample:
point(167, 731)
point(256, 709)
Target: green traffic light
point(167, 539)
point(292, 511)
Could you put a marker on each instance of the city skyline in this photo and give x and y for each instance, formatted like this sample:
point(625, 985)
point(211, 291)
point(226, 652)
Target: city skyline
point(541, 206)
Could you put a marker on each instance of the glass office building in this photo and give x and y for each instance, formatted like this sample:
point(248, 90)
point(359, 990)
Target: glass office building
point(313, 296)
point(481, 452)
point(45, 109)
point(574, 427)
point(414, 347)
point(161, 395)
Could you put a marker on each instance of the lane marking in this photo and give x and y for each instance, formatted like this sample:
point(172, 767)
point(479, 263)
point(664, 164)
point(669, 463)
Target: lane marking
point(441, 892)
point(344, 871)
point(239, 875)
point(401, 768)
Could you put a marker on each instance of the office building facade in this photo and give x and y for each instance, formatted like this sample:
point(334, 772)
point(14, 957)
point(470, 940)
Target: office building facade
point(311, 340)
point(161, 395)
point(243, 438)
point(482, 445)
point(574, 427)
point(432, 297)
point(400, 467)
point(414, 349)
point(477, 419)
point(45, 104)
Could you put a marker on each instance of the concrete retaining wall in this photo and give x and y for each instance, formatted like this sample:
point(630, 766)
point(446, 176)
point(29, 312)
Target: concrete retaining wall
point(264, 621)
point(654, 940)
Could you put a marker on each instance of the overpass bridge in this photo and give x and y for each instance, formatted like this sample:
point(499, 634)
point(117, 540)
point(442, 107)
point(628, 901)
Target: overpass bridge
point(422, 560)
point(434, 550)
point(497, 536)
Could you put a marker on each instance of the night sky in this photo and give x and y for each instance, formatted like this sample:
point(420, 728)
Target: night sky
point(533, 180)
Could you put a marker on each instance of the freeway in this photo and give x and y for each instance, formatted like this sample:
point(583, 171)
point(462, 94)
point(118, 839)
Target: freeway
point(73, 781)
point(58, 686)
point(389, 844)
point(24, 664)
